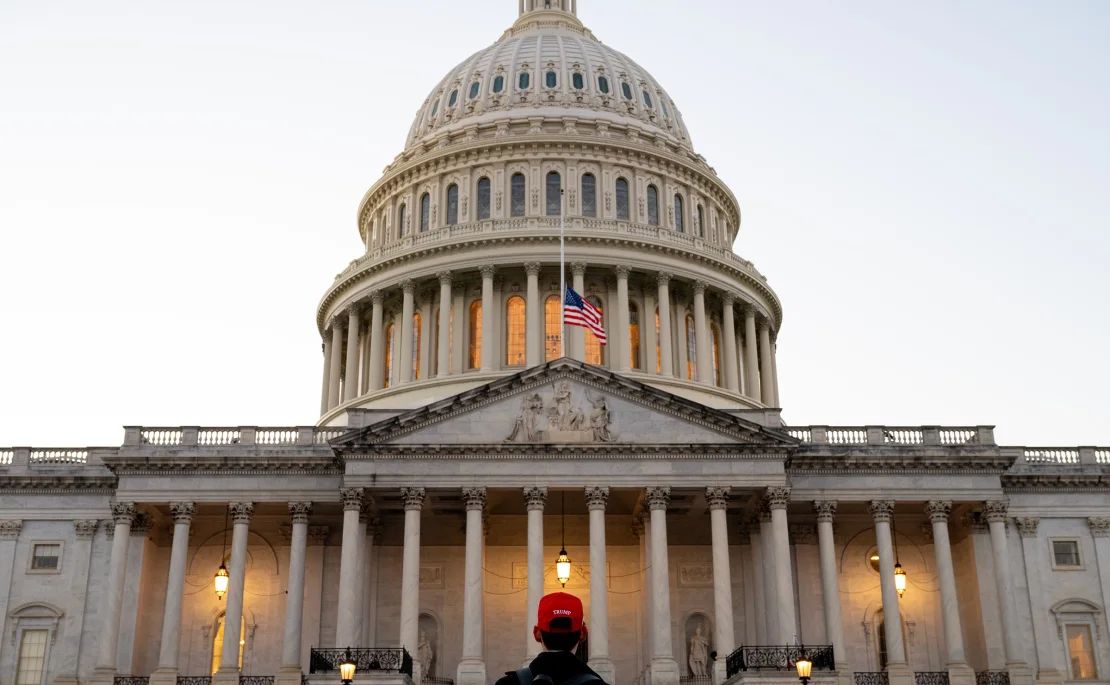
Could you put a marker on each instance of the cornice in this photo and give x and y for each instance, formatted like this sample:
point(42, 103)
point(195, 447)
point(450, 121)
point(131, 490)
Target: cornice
point(1096, 479)
point(56, 485)
point(606, 452)
point(185, 463)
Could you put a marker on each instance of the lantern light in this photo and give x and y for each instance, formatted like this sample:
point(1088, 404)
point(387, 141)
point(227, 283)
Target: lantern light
point(347, 668)
point(804, 667)
point(899, 579)
point(562, 567)
point(222, 579)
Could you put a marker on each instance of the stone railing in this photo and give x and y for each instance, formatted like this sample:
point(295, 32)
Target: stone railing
point(196, 436)
point(940, 436)
point(1063, 456)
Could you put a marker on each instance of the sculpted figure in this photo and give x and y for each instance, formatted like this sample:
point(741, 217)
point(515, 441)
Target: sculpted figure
point(425, 654)
point(567, 417)
point(599, 419)
point(525, 429)
point(699, 654)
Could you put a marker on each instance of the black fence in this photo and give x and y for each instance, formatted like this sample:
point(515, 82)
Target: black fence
point(778, 658)
point(194, 680)
point(871, 678)
point(256, 680)
point(930, 678)
point(131, 680)
point(395, 659)
point(992, 678)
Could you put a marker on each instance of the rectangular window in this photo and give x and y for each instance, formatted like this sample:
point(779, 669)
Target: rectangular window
point(32, 657)
point(1081, 653)
point(46, 556)
point(1065, 554)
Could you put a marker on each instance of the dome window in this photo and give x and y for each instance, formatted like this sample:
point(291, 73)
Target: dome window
point(453, 98)
point(622, 199)
point(498, 84)
point(663, 106)
point(589, 195)
point(626, 90)
point(647, 99)
point(551, 79)
point(554, 193)
point(603, 84)
point(577, 81)
point(435, 108)
point(679, 214)
point(516, 195)
point(653, 205)
point(483, 198)
point(474, 88)
point(525, 80)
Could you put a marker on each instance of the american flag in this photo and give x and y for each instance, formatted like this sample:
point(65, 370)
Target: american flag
point(578, 312)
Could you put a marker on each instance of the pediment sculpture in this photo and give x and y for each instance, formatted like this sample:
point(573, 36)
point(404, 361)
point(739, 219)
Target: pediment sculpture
point(559, 418)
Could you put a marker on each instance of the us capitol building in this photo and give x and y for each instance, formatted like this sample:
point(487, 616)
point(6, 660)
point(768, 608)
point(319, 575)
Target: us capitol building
point(458, 452)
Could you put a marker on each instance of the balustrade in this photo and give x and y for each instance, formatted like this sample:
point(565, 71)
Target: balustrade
point(394, 659)
point(903, 436)
point(131, 680)
point(194, 680)
point(256, 680)
point(930, 678)
point(992, 678)
point(846, 436)
point(58, 456)
point(802, 434)
point(778, 658)
point(161, 436)
point(6, 457)
point(276, 436)
point(871, 678)
point(1051, 455)
point(957, 436)
point(1102, 456)
point(218, 436)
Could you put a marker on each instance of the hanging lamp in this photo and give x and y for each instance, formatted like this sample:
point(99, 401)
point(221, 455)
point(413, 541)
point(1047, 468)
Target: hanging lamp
point(899, 572)
point(223, 578)
point(562, 564)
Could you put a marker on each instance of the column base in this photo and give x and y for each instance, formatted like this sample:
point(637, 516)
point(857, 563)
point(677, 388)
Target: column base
point(664, 671)
point(164, 676)
point(846, 676)
point(470, 672)
point(1020, 673)
point(102, 676)
point(960, 674)
point(719, 671)
point(603, 666)
point(1049, 676)
point(286, 675)
point(897, 674)
point(68, 679)
point(226, 676)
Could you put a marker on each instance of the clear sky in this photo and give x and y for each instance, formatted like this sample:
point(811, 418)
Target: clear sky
point(924, 184)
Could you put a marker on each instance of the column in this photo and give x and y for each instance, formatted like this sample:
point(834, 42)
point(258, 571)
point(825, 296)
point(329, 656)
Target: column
point(777, 500)
point(770, 586)
point(533, 317)
point(123, 513)
point(336, 363)
point(775, 372)
point(751, 360)
point(639, 528)
point(365, 514)
point(290, 673)
point(175, 587)
point(534, 498)
point(717, 498)
point(995, 514)
point(324, 387)
point(729, 370)
point(1044, 638)
point(229, 660)
point(959, 672)
point(830, 582)
point(405, 357)
point(472, 667)
point(488, 345)
point(350, 378)
point(410, 576)
point(77, 591)
point(369, 583)
point(311, 634)
point(1100, 534)
point(702, 336)
point(622, 327)
point(576, 335)
point(377, 342)
point(443, 326)
point(600, 662)
point(346, 626)
point(899, 673)
point(648, 333)
point(666, 362)
point(664, 669)
point(758, 576)
point(766, 375)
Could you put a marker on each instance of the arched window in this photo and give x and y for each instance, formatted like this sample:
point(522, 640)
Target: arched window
point(701, 222)
point(626, 90)
point(474, 88)
point(553, 193)
point(454, 98)
point(634, 334)
point(622, 199)
point(658, 344)
point(603, 84)
point(647, 99)
point(516, 195)
point(474, 349)
point(593, 346)
point(552, 320)
point(515, 318)
point(425, 212)
point(401, 221)
point(218, 642)
point(551, 79)
point(483, 198)
point(577, 81)
point(417, 329)
point(452, 204)
point(653, 205)
point(525, 81)
point(679, 214)
point(716, 354)
point(387, 371)
point(589, 195)
point(691, 348)
point(498, 83)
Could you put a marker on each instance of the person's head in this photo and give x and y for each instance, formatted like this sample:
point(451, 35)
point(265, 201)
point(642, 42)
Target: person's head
point(559, 624)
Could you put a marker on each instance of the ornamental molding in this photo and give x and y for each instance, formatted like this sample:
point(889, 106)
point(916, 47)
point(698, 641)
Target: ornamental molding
point(938, 511)
point(658, 498)
point(777, 497)
point(597, 497)
point(351, 498)
point(9, 529)
point(871, 460)
point(1099, 525)
point(300, 511)
point(474, 498)
point(994, 511)
point(717, 497)
point(241, 512)
point(85, 529)
point(1027, 526)
point(413, 498)
point(882, 510)
point(123, 512)
point(57, 485)
point(825, 510)
point(1057, 481)
point(183, 512)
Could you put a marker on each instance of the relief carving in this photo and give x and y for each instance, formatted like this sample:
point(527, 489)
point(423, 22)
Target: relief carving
point(561, 420)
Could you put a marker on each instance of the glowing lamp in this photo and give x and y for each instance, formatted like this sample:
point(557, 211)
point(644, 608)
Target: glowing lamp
point(562, 567)
point(804, 667)
point(899, 580)
point(222, 579)
point(347, 668)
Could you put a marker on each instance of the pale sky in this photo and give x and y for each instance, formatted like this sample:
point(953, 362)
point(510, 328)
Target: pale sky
point(925, 184)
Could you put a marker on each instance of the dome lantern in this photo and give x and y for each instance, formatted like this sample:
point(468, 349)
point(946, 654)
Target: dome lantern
point(526, 6)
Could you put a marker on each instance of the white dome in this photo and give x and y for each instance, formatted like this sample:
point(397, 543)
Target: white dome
point(542, 48)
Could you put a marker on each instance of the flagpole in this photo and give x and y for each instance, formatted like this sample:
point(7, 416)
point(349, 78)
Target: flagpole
point(562, 281)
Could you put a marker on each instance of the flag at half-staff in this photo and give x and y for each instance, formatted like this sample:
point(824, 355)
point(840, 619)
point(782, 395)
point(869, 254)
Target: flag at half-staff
point(577, 311)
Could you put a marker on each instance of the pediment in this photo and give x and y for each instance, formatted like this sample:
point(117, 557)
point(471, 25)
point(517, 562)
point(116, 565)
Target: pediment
point(565, 402)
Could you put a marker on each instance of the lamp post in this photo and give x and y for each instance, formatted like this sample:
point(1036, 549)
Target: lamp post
point(804, 667)
point(347, 668)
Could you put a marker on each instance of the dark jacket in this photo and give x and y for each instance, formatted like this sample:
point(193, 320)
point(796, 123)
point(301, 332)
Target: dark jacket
point(560, 666)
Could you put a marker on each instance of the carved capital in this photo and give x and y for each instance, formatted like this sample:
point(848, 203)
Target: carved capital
point(183, 512)
point(444, 277)
point(535, 498)
point(995, 510)
point(882, 510)
point(487, 271)
point(300, 511)
point(85, 528)
point(728, 299)
point(475, 498)
point(717, 498)
point(408, 286)
point(123, 512)
point(578, 268)
point(351, 498)
point(413, 498)
point(532, 268)
point(658, 498)
point(938, 510)
point(354, 311)
point(9, 530)
point(778, 497)
point(663, 278)
point(1027, 526)
point(825, 510)
point(317, 535)
point(597, 497)
point(699, 287)
point(241, 512)
point(623, 271)
point(376, 298)
point(1099, 525)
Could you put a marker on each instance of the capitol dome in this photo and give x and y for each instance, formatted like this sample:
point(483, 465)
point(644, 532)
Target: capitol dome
point(547, 132)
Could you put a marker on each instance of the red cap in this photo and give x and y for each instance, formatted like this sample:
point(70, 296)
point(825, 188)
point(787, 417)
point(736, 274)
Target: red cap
point(559, 605)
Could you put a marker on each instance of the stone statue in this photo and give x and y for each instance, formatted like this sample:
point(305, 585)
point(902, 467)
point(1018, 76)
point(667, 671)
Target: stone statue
point(567, 416)
point(599, 419)
point(425, 654)
point(699, 654)
point(526, 429)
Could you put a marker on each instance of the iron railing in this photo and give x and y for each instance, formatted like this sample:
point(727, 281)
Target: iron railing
point(438, 680)
point(992, 678)
point(871, 678)
point(394, 659)
point(778, 657)
point(131, 680)
point(695, 680)
point(194, 680)
point(256, 680)
point(930, 678)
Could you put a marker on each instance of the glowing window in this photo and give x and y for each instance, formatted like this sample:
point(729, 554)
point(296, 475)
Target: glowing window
point(474, 356)
point(554, 193)
point(1081, 652)
point(516, 195)
point(593, 346)
point(452, 204)
point(417, 329)
point(552, 320)
point(589, 195)
point(691, 348)
point(653, 205)
point(622, 199)
point(218, 643)
point(388, 360)
point(658, 345)
point(716, 355)
point(679, 214)
point(634, 334)
point(483, 198)
point(515, 318)
point(433, 351)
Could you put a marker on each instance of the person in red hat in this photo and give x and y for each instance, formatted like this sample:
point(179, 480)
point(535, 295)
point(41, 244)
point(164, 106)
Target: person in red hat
point(559, 628)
